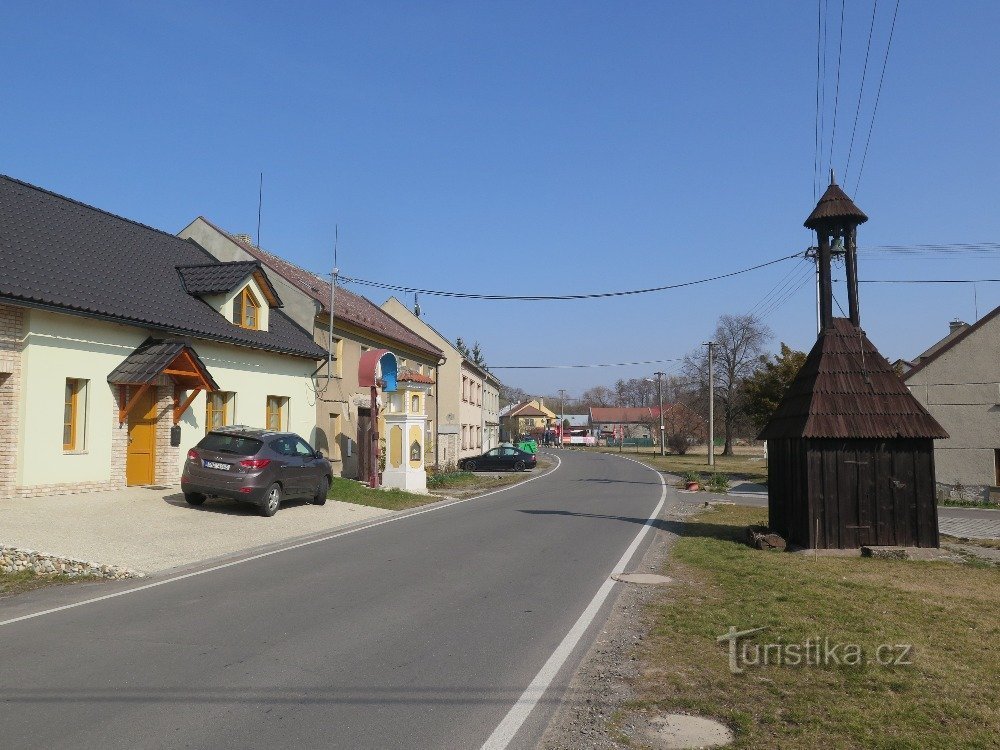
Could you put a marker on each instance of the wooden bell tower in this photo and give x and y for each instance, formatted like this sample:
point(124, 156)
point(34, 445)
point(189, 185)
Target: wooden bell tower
point(835, 221)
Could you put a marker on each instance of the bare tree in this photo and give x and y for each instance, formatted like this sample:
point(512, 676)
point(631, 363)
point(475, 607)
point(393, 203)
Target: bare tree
point(510, 394)
point(599, 395)
point(739, 343)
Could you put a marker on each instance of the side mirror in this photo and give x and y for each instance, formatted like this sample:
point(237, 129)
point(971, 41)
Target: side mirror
point(319, 454)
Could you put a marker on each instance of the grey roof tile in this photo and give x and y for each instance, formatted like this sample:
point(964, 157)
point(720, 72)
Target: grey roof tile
point(61, 254)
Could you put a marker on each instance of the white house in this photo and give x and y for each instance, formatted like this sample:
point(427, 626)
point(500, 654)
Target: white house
point(120, 345)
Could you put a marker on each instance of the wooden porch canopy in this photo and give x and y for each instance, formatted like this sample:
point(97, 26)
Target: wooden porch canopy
point(154, 358)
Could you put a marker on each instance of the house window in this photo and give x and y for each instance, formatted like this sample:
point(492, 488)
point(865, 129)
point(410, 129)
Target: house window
point(996, 465)
point(479, 437)
point(465, 437)
point(415, 404)
point(276, 416)
point(218, 409)
point(74, 409)
point(247, 310)
point(338, 358)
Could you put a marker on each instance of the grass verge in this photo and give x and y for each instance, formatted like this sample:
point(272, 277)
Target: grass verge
point(948, 612)
point(949, 502)
point(351, 491)
point(464, 483)
point(18, 583)
point(745, 468)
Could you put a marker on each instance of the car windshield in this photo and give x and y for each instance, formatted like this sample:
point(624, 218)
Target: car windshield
point(238, 445)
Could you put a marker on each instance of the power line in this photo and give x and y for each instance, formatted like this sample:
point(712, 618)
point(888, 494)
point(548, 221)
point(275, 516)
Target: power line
point(560, 297)
point(836, 97)
point(928, 281)
point(804, 277)
point(779, 289)
point(878, 95)
point(861, 92)
point(955, 247)
point(573, 367)
point(816, 151)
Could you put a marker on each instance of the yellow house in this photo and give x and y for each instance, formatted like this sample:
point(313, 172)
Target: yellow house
point(121, 345)
point(526, 419)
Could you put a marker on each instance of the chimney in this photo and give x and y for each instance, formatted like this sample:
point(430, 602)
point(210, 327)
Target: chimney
point(957, 325)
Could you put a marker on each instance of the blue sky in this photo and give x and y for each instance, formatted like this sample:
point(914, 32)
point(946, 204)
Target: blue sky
point(543, 147)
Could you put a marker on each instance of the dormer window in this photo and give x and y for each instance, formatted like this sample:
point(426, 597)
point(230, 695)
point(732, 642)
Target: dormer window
point(247, 312)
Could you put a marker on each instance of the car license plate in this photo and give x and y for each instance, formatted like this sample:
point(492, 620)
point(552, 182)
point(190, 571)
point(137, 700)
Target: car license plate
point(216, 465)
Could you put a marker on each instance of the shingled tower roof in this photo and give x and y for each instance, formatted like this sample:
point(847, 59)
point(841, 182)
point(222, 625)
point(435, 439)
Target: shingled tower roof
point(846, 389)
point(835, 205)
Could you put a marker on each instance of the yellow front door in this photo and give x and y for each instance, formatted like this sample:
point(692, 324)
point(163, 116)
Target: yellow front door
point(140, 462)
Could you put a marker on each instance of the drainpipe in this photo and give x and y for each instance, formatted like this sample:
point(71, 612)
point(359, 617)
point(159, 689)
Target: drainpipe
point(437, 414)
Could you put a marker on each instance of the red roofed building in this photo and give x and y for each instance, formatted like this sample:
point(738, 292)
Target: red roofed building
point(618, 422)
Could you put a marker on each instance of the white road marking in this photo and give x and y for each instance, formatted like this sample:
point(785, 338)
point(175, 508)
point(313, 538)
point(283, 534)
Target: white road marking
point(269, 553)
point(518, 714)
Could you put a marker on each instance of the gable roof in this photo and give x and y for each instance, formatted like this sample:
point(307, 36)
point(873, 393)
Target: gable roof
point(949, 342)
point(63, 255)
point(525, 410)
point(411, 376)
point(223, 277)
point(625, 414)
point(151, 358)
point(847, 389)
point(351, 308)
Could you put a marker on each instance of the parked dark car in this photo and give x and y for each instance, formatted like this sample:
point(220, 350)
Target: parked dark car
point(504, 457)
point(255, 466)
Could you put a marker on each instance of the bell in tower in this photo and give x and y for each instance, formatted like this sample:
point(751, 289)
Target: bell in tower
point(835, 221)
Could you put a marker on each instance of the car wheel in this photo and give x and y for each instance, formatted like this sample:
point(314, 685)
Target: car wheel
point(272, 500)
point(194, 498)
point(324, 487)
point(470, 466)
point(519, 466)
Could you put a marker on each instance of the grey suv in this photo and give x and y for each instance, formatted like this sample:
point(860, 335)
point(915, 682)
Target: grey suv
point(255, 466)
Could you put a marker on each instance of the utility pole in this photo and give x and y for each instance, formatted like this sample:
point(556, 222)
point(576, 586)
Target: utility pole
point(711, 402)
point(659, 397)
point(562, 415)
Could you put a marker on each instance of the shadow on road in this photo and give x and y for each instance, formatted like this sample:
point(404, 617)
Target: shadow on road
point(602, 480)
point(724, 532)
point(225, 506)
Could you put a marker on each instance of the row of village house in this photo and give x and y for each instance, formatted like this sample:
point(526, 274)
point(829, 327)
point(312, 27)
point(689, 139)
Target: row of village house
point(121, 345)
point(532, 418)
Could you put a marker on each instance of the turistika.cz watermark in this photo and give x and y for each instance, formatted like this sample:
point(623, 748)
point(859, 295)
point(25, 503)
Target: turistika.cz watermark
point(813, 652)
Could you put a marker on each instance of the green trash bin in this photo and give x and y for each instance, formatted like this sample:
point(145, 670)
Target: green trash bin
point(528, 445)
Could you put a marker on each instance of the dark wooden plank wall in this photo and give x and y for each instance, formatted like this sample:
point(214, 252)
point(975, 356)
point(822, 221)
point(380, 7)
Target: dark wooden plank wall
point(843, 494)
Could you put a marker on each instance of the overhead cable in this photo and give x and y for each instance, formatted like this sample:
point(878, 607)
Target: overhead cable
point(573, 367)
point(861, 92)
point(878, 95)
point(560, 297)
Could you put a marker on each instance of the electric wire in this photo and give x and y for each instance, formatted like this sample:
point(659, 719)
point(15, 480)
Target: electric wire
point(816, 151)
point(805, 277)
point(789, 280)
point(836, 96)
point(560, 297)
point(861, 92)
point(878, 96)
point(573, 367)
point(775, 289)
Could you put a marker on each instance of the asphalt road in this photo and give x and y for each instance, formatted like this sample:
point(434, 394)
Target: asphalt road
point(418, 633)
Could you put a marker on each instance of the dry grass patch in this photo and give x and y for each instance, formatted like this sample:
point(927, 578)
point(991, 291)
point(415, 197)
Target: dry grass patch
point(948, 612)
point(12, 584)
